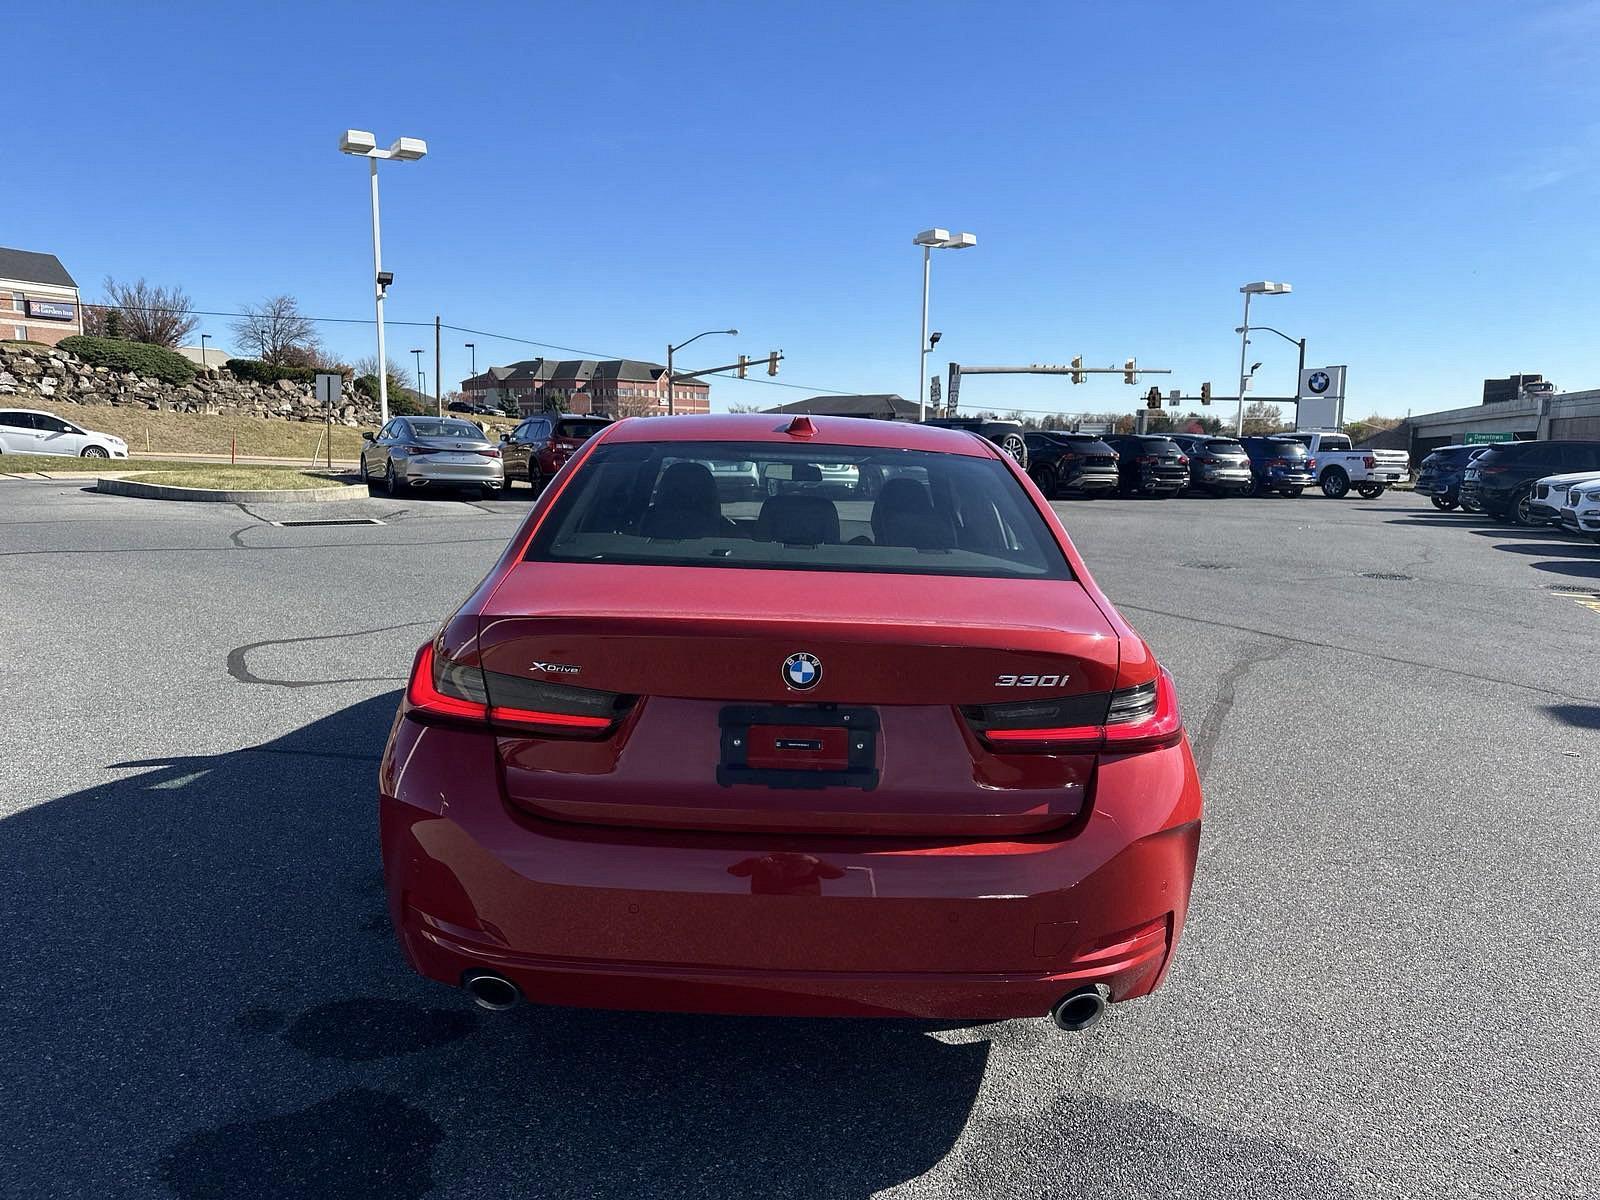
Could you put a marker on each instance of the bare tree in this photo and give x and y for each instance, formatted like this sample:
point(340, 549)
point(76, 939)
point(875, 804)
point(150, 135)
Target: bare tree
point(141, 312)
point(399, 377)
point(277, 331)
point(1261, 417)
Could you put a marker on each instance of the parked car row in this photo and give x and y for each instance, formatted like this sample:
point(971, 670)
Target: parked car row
point(1088, 465)
point(1504, 480)
point(1525, 483)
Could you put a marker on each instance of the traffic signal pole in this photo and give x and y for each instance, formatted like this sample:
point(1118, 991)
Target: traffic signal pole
point(1130, 372)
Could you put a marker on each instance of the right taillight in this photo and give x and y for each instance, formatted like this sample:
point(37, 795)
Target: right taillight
point(1142, 717)
point(441, 688)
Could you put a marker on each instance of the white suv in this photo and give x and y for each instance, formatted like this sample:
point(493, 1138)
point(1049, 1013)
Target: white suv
point(1581, 511)
point(29, 431)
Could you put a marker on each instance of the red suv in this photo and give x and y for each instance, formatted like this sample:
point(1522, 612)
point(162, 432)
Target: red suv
point(872, 751)
point(539, 447)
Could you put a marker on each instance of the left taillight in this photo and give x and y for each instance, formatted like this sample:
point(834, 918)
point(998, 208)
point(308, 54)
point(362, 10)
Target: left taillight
point(443, 689)
point(1143, 716)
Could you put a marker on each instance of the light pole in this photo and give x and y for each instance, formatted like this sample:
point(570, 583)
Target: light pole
point(1299, 342)
point(1262, 288)
point(672, 391)
point(473, 346)
point(203, 339)
point(418, 355)
point(931, 240)
point(363, 145)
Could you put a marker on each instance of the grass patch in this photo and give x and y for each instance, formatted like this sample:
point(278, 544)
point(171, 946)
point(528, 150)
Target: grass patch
point(229, 478)
point(19, 464)
point(196, 433)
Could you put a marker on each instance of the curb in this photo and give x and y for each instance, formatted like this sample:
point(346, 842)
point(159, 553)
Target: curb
point(163, 491)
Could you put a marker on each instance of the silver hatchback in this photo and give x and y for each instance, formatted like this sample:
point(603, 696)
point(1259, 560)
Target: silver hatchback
point(435, 452)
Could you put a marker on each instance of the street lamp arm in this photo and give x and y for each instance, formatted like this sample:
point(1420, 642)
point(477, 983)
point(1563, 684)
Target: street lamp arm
point(707, 333)
point(672, 389)
point(1292, 341)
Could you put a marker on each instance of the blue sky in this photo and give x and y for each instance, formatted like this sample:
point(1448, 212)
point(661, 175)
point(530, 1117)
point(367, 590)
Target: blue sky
point(612, 176)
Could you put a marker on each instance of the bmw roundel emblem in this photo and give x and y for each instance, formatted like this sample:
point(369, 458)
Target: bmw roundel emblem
point(802, 671)
point(1318, 381)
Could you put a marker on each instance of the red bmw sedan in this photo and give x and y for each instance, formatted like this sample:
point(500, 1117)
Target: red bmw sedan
point(863, 739)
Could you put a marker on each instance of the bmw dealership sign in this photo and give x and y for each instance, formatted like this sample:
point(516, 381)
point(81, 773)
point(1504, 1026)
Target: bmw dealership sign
point(1321, 398)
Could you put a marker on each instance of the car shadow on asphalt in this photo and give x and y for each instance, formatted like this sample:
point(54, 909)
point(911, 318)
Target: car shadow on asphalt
point(1580, 716)
point(202, 997)
point(1572, 568)
point(202, 992)
point(1534, 548)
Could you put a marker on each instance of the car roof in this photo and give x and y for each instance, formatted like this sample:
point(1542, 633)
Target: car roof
point(773, 427)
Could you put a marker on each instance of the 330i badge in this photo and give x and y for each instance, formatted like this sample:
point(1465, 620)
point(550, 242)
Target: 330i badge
point(877, 824)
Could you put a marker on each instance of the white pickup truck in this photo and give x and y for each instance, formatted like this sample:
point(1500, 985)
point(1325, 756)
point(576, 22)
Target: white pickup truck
point(1340, 466)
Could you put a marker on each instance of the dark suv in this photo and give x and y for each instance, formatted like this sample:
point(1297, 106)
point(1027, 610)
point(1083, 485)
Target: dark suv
point(1440, 477)
point(540, 446)
point(1278, 464)
point(1007, 435)
point(1150, 464)
point(1076, 464)
point(1217, 465)
point(1500, 480)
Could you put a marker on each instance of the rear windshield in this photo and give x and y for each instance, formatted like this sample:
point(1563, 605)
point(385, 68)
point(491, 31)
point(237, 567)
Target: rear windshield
point(1284, 449)
point(799, 507)
point(579, 429)
point(438, 427)
point(1156, 445)
point(1224, 447)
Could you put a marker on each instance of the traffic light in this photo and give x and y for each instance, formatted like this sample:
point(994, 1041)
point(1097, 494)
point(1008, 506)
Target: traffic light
point(772, 362)
point(1130, 371)
point(1153, 399)
point(1077, 369)
point(744, 361)
point(1205, 392)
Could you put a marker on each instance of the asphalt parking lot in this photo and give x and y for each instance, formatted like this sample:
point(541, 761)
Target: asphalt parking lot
point(1385, 987)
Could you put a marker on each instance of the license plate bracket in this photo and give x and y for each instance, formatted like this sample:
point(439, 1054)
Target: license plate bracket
point(796, 746)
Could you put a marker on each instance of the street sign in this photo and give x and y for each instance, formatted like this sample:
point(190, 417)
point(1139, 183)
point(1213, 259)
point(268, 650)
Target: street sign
point(933, 391)
point(328, 386)
point(1486, 439)
point(954, 390)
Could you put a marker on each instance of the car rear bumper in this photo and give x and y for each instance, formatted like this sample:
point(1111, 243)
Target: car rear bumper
point(422, 471)
point(1090, 481)
point(1273, 480)
point(783, 924)
point(1433, 485)
point(1224, 477)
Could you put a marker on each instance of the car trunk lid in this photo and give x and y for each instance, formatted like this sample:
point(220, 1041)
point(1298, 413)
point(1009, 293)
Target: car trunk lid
point(729, 731)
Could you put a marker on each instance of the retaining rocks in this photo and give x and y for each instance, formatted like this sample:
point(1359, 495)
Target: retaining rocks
point(34, 376)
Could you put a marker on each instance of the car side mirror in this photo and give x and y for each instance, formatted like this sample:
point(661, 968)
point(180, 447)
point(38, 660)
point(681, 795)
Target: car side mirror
point(504, 436)
point(367, 435)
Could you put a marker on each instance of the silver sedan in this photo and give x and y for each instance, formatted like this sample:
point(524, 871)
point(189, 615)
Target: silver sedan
point(434, 452)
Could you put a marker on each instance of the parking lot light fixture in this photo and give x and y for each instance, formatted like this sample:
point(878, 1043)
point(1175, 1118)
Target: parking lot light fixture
point(361, 144)
point(931, 240)
point(1265, 287)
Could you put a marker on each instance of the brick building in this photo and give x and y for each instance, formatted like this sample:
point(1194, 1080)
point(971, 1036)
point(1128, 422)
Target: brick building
point(617, 387)
point(38, 299)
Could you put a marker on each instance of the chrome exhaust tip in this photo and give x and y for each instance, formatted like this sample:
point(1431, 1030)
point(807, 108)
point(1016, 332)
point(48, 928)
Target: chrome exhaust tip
point(1079, 1009)
point(493, 992)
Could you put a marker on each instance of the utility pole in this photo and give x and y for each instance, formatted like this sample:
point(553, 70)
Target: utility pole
point(438, 376)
